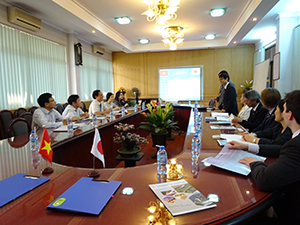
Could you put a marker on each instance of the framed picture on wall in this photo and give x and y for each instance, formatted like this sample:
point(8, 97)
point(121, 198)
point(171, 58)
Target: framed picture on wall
point(78, 54)
point(276, 66)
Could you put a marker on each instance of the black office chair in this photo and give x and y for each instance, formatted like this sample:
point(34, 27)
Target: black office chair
point(18, 126)
point(27, 116)
point(19, 112)
point(6, 117)
point(59, 108)
point(32, 109)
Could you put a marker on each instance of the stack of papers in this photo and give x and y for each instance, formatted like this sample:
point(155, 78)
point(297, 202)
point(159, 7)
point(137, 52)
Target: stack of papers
point(228, 159)
point(220, 116)
point(222, 127)
point(64, 128)
point(180, 197)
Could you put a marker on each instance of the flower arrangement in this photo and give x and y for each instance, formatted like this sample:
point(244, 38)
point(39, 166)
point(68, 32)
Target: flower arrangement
point(129, 140)
point(247, 85)
point(121, 89)
point(158, 119)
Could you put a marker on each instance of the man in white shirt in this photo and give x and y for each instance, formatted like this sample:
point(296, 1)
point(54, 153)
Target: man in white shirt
point(46, 115)
point(96, 105)
point(73, 110)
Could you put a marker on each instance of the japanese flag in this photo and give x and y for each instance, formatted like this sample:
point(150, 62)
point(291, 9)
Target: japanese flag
point(97, 149)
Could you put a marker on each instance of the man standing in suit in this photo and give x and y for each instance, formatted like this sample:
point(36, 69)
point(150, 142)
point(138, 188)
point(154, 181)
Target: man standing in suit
point(229, 104)
point(257, 114)
point(283, 175)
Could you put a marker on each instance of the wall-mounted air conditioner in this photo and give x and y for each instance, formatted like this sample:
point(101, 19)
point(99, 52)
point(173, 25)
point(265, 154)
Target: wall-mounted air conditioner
point(23, 19)
point(98, 50)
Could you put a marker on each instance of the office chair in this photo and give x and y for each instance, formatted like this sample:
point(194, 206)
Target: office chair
point(17, 127)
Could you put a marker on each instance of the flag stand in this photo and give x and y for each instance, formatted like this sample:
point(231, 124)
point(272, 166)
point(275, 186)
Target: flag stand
point(94, 173)
point(47, 170)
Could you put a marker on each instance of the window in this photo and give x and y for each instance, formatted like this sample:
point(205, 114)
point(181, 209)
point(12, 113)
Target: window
point(29, 66)
point(96, 73)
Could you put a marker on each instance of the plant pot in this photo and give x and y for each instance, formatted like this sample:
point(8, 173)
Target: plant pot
point(128, 153)
point(128, 145)
point(159, 139)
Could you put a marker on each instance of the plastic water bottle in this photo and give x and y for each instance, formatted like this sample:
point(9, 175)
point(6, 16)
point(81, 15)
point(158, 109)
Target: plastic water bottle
point(111, 115)
point(189, 102)
point(143, 105)
point(35, 159)
point(199, 132)
point(33, 140)
point(70, 127)
point(162, 160)
point(123, 111)
point(135, 108)
point(195, 167)
point(195, 113)
point(94, 120)
point(196, 145)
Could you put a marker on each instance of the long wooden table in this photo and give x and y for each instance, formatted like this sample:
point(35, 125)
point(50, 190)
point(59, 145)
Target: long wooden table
point(240, 199)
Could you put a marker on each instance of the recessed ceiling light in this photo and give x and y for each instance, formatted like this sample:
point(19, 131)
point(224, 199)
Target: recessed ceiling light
point(210, 36)
point(123, 20)
point(234, 42)
point(217, 12)
point(254, 19)
point(144, 41)
point(93, 31)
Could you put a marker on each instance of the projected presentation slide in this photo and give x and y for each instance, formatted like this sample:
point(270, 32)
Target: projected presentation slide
point(180, 84)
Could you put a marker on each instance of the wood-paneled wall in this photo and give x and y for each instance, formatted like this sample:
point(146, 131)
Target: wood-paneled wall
point(141, 69)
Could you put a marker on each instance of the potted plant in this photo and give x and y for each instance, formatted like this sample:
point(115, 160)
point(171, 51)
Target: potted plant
point(158, 121)
point(247, 85)
point(130, 141)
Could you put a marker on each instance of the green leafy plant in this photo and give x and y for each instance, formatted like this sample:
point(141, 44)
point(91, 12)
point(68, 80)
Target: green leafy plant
point(247, 85)
point(158, 119)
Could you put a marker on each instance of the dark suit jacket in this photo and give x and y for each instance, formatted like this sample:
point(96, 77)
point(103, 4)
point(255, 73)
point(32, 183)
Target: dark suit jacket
point(282, 175)
point(269, 122)
point(255, 119)
point(229, 100)
point(272, 140)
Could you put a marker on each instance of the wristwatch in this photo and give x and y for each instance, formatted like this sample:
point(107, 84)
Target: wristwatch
point(254, 140)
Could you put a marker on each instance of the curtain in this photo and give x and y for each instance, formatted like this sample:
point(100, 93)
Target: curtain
point(96, 73)
point(30, 66)
point(296, 58)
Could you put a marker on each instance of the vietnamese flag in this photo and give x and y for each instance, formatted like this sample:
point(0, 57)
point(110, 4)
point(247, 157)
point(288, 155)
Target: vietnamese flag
point(45, 147)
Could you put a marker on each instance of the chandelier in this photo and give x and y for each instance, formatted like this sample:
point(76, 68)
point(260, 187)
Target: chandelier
point(161, 10)
point(172, 37)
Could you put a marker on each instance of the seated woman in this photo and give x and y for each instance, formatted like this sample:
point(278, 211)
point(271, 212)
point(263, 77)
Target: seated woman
point(267, 142)
point(109, 104)
point(119, 100)
point(245, 111)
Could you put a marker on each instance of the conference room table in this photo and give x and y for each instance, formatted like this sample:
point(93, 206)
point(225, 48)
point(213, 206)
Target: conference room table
point(239, 197)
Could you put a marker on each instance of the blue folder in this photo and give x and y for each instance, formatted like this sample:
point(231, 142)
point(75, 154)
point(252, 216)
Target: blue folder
point(86, 196)
point(17, 185)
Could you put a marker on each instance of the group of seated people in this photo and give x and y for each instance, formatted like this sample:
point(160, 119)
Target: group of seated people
point(46, 115)
point(273, 128)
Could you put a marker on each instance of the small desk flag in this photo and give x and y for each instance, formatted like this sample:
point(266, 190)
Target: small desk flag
point(45, 147)
point(97, 149)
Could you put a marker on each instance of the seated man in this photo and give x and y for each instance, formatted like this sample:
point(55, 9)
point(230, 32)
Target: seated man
point(96, 105)
point(46, 115)
point(269, 99)
point(283, 174)
point(73, 110)
point(257, 114)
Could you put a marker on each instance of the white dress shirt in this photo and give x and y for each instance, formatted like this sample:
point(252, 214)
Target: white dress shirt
point(49, 119)
point(70, 112)
point(106, 106)
point(244, 112)
point(95, 107)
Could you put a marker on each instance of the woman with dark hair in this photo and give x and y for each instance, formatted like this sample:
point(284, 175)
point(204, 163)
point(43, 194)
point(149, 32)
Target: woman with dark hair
point(119, 99)
point(109, 103)
point(267, 142)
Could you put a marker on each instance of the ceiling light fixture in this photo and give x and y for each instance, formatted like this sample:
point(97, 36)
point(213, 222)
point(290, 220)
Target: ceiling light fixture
point(161, 10)
point(123, 20)
point(93, 31)
point(217, 12)
point(173, 37)
point(210, 36)
point(144, 41)
point(234, 42)
point(254, 19)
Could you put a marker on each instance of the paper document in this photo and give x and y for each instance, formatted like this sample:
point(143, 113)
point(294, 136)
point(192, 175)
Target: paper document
point(221, 116)
point(180, 197)
point(64, 128)
point(228, 159)
point(222, 127)
point(233, 137)
point(220, 122)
